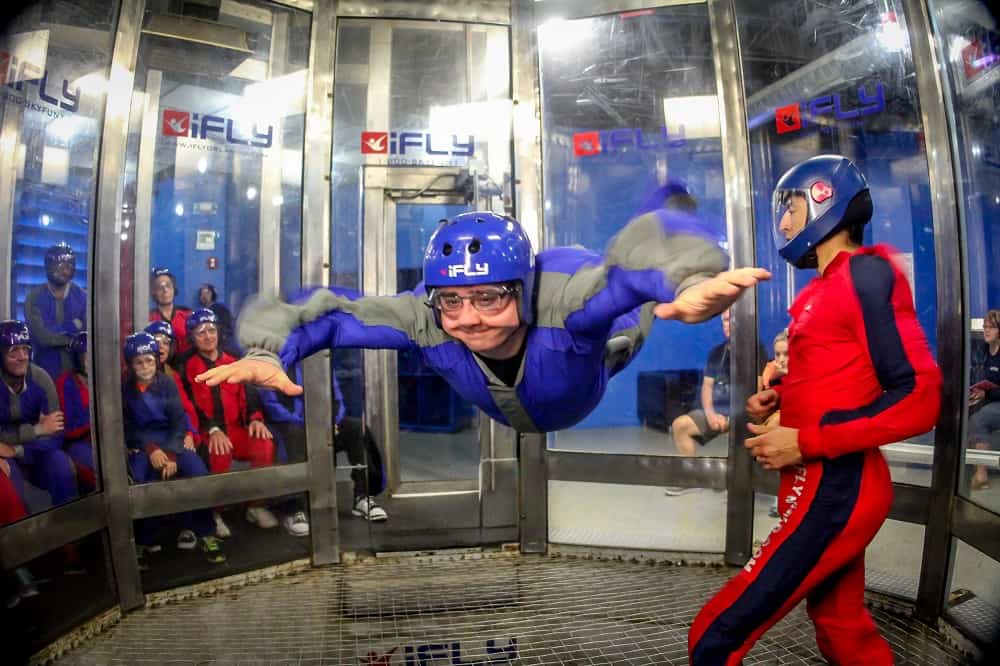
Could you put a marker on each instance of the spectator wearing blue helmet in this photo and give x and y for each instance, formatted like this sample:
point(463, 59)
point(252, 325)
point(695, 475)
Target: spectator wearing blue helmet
point(860, 375)
point(523, 337)
point(31, 423)
point(155, 426)
point(163, 332)
point(74, 400)
point(56, 311)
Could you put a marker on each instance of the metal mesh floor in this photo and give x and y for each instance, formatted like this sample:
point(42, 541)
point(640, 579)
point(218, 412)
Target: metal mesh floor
point(474, 610)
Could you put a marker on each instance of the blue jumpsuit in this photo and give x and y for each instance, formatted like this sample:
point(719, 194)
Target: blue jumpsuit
point(43, 459)
point(582, 302)
point(52, 322)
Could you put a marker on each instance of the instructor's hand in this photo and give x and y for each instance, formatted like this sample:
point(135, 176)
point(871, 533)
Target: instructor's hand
point(762, 404)
point(774, 447)
point(249, 371)
point(707, 299)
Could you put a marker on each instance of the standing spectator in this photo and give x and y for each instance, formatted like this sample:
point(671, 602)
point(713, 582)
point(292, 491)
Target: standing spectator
point(230, 415)
point(31, 422)
point(984, 394)
point(154, 435)
point(208, 298)
point(56, 311)
point(163, 285)
point(74, 399)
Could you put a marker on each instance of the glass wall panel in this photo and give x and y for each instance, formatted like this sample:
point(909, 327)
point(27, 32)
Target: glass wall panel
point(839, 79)
point(969, 42)
point(185, 548)
point(974, 598)
point(629, 105)
point(213, 206)
point(51, 594)
point(54, 64)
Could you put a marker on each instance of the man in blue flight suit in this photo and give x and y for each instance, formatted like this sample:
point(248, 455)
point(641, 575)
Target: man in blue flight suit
point(56, 311)
point(525, 338)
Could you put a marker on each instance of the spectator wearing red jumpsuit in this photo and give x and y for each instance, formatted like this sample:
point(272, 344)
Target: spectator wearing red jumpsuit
point(163, 288)
point(229, 415)
point(860, 375)
point(74, 399)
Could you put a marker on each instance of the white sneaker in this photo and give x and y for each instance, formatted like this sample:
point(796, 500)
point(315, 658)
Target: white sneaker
point(221, 529)
point(296, 524)
point(366, 508)
point(186, 540)
point(262, 517)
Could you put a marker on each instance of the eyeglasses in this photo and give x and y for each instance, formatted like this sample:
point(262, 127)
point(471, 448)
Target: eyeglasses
point(204, 330)
point(490, 301)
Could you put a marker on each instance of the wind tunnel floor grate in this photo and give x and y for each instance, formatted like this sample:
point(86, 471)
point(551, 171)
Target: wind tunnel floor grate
point(480, 610)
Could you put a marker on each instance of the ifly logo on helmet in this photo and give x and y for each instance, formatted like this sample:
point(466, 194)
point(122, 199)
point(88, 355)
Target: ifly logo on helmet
point(197, 126)
point(470, 271)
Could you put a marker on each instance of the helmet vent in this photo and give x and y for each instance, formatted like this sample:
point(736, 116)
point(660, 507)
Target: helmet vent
point(474, 246)
point(447, 249)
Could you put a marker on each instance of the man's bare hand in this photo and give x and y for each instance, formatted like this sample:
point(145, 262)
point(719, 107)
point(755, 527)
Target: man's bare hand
point(219, 443)
point(774, 447)
point(7, 451)
point(707, 299)
point(762, 404)
point(51, 423)
point(250, 371)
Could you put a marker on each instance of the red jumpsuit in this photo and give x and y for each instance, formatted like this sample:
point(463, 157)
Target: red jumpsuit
point(860, 374)
point(178, 321)
point(225, 406)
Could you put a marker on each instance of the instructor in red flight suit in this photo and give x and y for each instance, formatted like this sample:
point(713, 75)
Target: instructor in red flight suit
point(860, 375)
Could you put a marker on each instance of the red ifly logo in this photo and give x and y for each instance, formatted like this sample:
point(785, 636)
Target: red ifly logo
point(176, 123)
point(586, 143)
point(788, 119)
point(820, 191)
point(374, 142)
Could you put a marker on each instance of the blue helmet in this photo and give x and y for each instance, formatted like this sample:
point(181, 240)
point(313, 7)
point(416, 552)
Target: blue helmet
point(139, 344)
point(60, 253)
point(78, 343)
point(835, 195)
point(14, 333)
point(481, 248)
point(199, 317)
point(160, 327)
point(160, 272)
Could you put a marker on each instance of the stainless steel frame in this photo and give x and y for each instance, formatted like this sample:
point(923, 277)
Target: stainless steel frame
point(533, 493)
point(527, 125)
point(952, 308)
point(324, 531)
point(108, 430)
point(143, 225)
point(42, 533)
point(471, 11)
point(739, 216)
point(13, 116)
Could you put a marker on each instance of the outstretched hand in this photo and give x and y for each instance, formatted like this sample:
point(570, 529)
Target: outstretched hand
point(707, 299)
point(251, 371)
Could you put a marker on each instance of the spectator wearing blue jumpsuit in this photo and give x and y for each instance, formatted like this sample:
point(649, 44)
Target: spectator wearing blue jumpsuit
point(31, 422)
point(56, 311)
point(74, 399)
point(155, 426)
point(525, 341)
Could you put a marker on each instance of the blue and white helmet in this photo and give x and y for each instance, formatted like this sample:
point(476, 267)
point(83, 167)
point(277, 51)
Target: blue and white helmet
point(139, 344)
point(482, 248)
point(60, 253)
point(835, 194)
point(160, 327)
point(14, 333)
point(199, 317)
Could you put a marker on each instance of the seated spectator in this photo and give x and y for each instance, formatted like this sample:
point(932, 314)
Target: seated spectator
point(56, 311)
point(700, 425)
point(31, 422)
point(74, 399)
point(778, 367)
point(285, 414)
point(209, 299)
point(229, 415)
point(163, 285)
point(984, 394)
point(154, 436)
point(163, 333)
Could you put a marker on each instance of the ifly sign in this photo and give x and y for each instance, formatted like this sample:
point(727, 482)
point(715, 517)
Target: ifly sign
point(622, 139)
point(445, 653)
point(15, 74)
point(409, 144)
point(842, 107)
point(205, 126)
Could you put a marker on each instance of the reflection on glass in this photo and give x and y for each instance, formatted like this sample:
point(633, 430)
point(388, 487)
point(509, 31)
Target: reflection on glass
point(819, 82)
point(49, 595)
point(631, 126)
point(171, 553)
point(51, 110)
point(968, 38)
point(974, 597)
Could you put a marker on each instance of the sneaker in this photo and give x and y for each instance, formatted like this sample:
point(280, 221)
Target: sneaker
point(365, 507)
point(296, 524)
point(186, 540)
point(212, 548)
point(677, 491)
point(26, 586)
point(154, 548)
point(261, 516)
point(221, 529)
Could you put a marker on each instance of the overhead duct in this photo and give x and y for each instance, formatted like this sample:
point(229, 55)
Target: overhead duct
point(198, 31)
